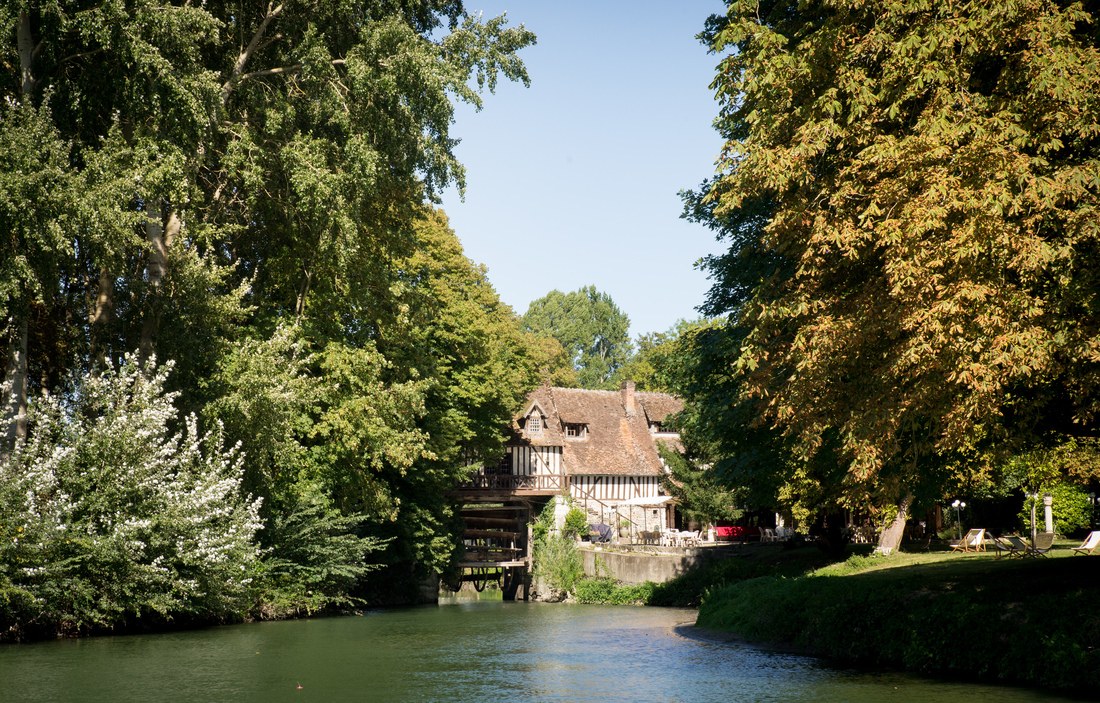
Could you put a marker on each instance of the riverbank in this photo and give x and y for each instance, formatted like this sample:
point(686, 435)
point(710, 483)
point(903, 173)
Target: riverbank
point(1031, 622)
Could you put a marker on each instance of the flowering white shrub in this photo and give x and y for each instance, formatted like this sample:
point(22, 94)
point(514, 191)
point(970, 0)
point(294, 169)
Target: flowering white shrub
point(115, 510)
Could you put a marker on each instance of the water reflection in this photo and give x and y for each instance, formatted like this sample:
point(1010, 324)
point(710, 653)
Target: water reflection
point(479, 651)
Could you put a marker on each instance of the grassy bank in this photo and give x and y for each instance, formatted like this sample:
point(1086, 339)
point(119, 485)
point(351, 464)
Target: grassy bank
point(1033, 622)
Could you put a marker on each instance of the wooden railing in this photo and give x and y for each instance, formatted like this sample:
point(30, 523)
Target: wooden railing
point(554, 483)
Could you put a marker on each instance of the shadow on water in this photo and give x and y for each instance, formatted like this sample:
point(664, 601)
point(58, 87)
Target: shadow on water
point(469, 651)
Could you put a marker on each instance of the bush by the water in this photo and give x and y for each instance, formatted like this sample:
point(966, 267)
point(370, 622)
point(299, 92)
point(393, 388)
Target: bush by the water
point(1020, 622)
point(557, 562)
point(108, 515)
point(117, 513)
point(610, 592)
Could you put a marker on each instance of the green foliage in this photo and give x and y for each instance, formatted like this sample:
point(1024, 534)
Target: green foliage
point(576, 523)
point(246, 190)
point(1070, 507)
point(110, 515)
point(657, 363)
point(592, 329)
point(315, 559)
point(610, 592)
point(556, 559)
point(900, 190)
point(702, 497)
point(1017, 622)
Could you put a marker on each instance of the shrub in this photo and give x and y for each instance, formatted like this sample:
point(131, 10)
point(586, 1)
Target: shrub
point(610, 592)
point(576, 523)
point(556, 560)
point(315, 558)
point(110, 516)
point(1071, 509)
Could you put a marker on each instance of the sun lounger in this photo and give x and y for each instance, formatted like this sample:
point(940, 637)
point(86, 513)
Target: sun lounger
point(1044, 542)
point(1006, 548)
point(1091, 543)
point(1019, 546)
point(974, 541)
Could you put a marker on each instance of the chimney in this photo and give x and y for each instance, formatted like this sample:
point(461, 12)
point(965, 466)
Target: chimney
point(628, 398)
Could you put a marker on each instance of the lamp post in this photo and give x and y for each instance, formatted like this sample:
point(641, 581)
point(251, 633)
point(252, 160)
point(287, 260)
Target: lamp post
point(958, 505)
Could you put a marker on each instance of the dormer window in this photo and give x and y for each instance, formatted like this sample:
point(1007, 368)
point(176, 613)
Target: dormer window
point(576, 430)
point(534, 423)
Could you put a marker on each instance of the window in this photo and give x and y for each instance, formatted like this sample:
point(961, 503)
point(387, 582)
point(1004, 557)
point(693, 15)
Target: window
point(534, 423)
point(577, 430)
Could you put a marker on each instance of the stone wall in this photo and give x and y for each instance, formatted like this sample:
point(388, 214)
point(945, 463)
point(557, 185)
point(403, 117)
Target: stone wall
point(638, 566)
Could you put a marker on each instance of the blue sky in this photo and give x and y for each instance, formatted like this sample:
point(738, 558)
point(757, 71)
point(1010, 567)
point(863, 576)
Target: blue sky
point(574, 180)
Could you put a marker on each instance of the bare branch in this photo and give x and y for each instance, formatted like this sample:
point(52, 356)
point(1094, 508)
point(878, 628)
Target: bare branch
point(281, 70)
point(277, 71)
point(248, 51)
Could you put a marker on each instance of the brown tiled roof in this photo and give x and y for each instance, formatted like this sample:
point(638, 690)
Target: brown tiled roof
point(617, 442)
point(658, 406)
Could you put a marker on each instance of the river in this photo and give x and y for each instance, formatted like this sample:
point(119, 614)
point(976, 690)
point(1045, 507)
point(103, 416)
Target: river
point(479, 651)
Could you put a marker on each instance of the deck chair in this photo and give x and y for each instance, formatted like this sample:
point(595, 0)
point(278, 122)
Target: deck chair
point(973, 541)
point(1022, 548)
point(1044, 542)
point(1007, 548)
point(1091, 543)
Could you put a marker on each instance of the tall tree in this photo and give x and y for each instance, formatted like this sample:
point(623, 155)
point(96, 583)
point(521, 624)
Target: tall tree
point(920, 184)
point(274, 155)
point(657, 362)
point(590, 326)
point(231, 184)
point(384, 428)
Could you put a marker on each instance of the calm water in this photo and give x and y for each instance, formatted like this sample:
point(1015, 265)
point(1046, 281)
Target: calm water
point(463, 652)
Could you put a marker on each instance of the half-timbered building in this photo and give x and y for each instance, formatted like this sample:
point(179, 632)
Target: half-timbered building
point(600, 448)
point(592, 445)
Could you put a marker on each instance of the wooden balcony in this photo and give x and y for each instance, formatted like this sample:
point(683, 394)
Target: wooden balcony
point(483, 483)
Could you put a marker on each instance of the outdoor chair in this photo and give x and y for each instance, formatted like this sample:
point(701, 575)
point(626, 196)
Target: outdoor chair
point(1006, 548)
point(1027, 550)
point(1044, 542)
point(1091, 543)
point(1020, 548)
point(973, 541)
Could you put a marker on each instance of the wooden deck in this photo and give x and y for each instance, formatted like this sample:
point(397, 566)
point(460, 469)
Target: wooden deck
point(513, 485)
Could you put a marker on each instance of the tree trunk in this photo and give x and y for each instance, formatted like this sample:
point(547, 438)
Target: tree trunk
point(15, 386)
point(100, 316)
point(25, 41)
point(13, 389)
point(890, 539)
point(160, 236)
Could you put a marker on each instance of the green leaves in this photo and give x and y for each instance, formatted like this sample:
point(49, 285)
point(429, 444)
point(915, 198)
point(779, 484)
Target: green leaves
point(244, 188)
point(108, 513)
point(902, 191)
point(591, 328)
